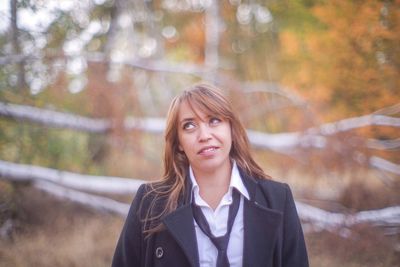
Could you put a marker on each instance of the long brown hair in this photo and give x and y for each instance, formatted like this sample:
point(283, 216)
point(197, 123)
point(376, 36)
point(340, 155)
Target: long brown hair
point(172, 185)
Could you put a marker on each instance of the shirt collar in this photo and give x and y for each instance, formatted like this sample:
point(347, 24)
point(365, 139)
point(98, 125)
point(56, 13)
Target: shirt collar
point(236, 182)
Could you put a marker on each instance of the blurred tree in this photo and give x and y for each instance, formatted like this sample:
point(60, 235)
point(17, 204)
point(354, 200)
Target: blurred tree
point(113, 58)
point(350, 65)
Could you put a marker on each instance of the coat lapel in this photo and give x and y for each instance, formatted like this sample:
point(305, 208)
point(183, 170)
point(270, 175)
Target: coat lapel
point(181, 226)
point(261, 226)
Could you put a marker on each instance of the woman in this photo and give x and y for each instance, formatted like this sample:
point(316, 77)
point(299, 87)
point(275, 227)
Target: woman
point(214, 205)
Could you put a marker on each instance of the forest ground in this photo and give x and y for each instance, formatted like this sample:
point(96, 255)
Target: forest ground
point(51, 232)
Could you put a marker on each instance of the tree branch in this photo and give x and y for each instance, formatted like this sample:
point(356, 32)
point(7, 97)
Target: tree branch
point(383, 164)
point(60, 184)
point(96, 202)
point(91, 183)
point(324, 220)
point(313, 137)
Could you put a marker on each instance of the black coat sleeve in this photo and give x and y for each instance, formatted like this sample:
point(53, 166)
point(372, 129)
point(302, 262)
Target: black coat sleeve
point(294, 252)
point(129, 248)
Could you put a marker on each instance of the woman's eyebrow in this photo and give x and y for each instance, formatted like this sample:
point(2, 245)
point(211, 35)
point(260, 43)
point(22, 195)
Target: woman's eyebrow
point(186, 119)
point(208, 116)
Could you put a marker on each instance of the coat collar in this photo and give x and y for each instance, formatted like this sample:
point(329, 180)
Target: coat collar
point(181, 226)
point(261, 225)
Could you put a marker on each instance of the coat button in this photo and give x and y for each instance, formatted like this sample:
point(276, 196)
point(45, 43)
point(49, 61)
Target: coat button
point(159, 252)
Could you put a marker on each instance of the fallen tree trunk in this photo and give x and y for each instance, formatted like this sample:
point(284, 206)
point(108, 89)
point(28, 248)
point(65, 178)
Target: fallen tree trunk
point(315, 218)
point(64, 185)
point(90, 183)
point(385, 165)
point(149, 65)
point(51, 118)
point(109, 184)
point(96, 202)
point(280, 142)
point(324, 220)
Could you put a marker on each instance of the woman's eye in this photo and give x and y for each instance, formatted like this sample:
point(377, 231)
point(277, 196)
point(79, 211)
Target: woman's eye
point(214, 121)
point(188, 126)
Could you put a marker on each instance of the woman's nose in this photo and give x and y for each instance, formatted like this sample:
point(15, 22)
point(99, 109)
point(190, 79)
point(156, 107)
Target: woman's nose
point(204, 132)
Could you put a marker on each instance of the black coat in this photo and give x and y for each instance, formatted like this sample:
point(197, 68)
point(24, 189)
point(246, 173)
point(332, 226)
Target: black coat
point(272, 232)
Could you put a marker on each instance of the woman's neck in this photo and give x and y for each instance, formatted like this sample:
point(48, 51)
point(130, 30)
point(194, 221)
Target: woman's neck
point(213, 185)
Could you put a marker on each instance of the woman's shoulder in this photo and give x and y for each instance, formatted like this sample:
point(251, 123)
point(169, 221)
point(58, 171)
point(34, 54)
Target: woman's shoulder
point(273, 185)
point(153, 193)
point(276, 193)
point(149, 190)
point(142, 191)
point(147, 198)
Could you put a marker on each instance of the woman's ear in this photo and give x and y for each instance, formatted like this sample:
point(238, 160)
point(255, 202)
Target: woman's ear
point(180, 148)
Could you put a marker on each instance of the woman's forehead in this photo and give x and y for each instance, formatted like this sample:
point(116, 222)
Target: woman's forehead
point(189, 109)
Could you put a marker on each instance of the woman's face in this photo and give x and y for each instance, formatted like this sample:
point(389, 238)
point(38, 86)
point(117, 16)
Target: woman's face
point(204, 138)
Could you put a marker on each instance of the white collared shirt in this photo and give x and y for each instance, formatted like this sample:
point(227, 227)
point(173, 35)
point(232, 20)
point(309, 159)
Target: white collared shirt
point(217, 219)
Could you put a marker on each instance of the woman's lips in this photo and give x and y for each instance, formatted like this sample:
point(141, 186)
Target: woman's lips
point(207, 150)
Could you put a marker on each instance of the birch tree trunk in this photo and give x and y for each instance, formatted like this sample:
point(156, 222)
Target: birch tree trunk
point(212, 24)
point(67, 185)
point(21, 82)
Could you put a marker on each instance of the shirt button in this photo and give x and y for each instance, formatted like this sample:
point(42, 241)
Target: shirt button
point(159, 252)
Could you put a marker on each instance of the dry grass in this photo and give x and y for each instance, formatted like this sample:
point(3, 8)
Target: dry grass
point(51, 232)
point(366, 247)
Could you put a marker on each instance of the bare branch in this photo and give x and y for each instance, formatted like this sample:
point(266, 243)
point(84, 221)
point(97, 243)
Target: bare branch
point(51, 118)
point(96, 202)
point(54, 118)
point(285, 141)
point(384, 144)
point(161, 66)
point(395, 109)
point(59, 183)
point(146, 64)
point(98, 184)
point(355, 122)
point(212, 24)
point(385, 165)
point(113, 28)
point(274, 88)
point(13, 59)
point(150, 125)
point(21, 82)
point(324, 220)
point(313, 137)
point(319, 219)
